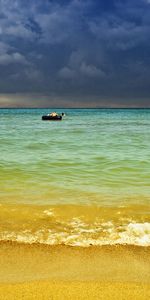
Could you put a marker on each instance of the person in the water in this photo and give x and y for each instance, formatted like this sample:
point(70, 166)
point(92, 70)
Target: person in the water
point(53, 114)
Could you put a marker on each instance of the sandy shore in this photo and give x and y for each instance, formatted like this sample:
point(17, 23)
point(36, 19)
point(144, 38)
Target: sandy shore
point(75, 290)
point(61, 272)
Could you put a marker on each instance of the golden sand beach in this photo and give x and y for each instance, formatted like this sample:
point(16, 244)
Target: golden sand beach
point(61, 272)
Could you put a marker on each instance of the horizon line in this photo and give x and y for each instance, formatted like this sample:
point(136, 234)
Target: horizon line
point(54, 107)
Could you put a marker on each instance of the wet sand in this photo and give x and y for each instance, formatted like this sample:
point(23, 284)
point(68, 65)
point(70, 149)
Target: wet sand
point(62, 272)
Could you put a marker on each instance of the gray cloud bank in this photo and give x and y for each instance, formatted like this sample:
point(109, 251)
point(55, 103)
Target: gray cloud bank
point(74, 53)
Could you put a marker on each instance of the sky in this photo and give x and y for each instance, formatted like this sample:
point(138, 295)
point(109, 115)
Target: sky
point(77, 53)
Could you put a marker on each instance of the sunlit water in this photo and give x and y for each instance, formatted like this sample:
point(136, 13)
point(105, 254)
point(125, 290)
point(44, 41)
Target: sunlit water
point(80, 181)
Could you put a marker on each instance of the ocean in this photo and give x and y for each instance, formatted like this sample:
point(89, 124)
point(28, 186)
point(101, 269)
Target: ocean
point(81, 181)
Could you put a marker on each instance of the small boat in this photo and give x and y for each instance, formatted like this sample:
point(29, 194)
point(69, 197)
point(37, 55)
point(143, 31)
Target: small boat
point(52, 117)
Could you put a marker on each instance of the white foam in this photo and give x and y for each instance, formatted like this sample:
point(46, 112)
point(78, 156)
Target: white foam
point(84, 235)
point(49, 212)
point(136, 234)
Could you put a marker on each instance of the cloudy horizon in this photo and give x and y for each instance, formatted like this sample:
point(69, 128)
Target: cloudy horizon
point(75, 53)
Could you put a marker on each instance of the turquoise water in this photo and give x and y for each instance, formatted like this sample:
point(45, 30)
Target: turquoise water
point(93, 157)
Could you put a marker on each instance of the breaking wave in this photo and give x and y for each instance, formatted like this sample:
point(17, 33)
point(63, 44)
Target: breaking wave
point(77, 233)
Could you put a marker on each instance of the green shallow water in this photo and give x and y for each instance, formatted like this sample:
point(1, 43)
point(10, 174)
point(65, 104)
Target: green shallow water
point(99, 156)
point(81, 181)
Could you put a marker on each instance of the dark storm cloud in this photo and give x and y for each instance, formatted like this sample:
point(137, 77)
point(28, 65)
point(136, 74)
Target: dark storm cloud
point(75, 53)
